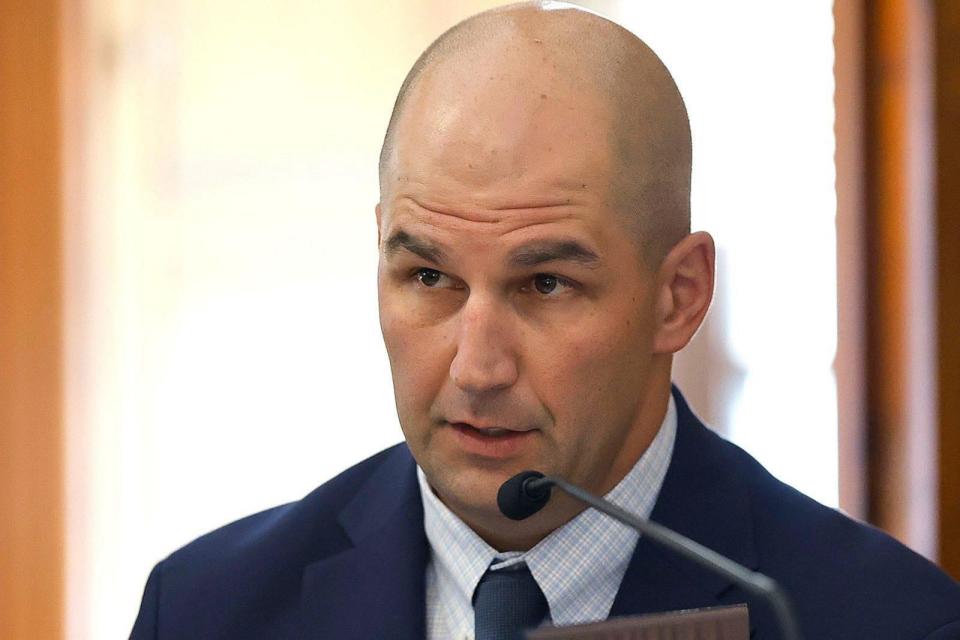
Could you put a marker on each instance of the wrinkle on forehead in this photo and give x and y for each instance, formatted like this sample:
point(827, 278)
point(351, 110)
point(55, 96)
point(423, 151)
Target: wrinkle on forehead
point(509, 218)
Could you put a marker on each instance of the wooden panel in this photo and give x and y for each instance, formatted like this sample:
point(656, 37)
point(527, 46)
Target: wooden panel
point(899, 272)
point(948, 278)
point(851, 294)
point(886, 198)
point(31, 503)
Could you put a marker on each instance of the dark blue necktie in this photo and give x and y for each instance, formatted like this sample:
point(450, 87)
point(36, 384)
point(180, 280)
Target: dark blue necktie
point(507, 602)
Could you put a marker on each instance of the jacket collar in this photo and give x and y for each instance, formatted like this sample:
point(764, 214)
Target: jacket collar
point(376, 588)
point(704, 499)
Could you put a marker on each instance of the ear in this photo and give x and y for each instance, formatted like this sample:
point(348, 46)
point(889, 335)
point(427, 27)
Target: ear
point(685, 282)
point(379, 212)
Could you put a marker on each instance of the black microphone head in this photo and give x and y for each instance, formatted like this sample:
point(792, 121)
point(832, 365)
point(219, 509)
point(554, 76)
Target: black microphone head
point(517, 501)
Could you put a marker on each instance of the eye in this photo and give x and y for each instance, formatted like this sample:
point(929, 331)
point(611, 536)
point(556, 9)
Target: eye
point(549, 285)
point(545, 283)
point(428, 277)
point(433, 279)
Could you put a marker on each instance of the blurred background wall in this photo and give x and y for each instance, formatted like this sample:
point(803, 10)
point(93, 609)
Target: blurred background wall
point(188, 326)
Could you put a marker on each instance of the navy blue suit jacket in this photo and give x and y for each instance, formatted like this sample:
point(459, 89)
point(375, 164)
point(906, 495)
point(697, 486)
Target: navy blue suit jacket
point(348, 560)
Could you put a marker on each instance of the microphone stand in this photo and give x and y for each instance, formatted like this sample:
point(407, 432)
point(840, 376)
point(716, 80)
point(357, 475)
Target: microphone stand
point(751, 581)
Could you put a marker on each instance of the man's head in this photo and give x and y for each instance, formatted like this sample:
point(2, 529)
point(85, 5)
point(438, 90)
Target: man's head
point(536, 268)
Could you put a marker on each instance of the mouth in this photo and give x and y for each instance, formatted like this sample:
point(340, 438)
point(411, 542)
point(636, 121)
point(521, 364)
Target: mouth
point(491, 441)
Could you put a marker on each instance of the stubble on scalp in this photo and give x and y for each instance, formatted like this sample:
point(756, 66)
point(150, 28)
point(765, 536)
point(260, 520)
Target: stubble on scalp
point(650, 134)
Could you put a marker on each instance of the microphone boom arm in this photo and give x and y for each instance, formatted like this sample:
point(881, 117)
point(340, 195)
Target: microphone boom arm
point(751, 581)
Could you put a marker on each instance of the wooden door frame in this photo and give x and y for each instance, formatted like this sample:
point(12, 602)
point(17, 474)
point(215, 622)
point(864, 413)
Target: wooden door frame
point(898, 224)
point(31, 318)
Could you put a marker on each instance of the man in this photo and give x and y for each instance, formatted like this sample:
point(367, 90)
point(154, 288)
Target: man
point(536, 275)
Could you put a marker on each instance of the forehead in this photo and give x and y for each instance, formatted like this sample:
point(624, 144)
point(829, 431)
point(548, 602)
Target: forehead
point(498, 130)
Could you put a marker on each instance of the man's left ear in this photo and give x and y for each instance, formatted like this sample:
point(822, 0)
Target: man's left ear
point(685, 282)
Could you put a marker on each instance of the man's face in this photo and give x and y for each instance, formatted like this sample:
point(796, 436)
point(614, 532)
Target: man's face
point(515, 307)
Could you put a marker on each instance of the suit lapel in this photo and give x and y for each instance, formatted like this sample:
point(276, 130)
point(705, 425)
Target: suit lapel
point(703, 498)
point(376, 588)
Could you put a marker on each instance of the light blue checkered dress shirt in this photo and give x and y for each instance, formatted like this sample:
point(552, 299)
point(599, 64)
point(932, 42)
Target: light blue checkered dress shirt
point(579, 566)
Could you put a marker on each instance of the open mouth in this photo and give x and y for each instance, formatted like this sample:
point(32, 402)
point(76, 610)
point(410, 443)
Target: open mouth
point(491, 441)
point(486, 432)
point(490, 432)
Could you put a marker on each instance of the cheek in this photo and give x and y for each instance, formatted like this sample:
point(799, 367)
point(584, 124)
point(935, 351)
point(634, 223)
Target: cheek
point(416, 355)
point(596, 369)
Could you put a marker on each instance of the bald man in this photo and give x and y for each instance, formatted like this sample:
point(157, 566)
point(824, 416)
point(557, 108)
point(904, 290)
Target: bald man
point(537, 274)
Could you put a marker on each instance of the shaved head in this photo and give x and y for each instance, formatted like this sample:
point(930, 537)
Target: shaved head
point(521, 57)
point(536, 269)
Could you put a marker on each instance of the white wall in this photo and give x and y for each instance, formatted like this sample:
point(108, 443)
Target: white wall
point(757, 77)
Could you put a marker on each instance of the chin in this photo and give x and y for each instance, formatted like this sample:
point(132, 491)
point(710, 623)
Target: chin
point(471, 490)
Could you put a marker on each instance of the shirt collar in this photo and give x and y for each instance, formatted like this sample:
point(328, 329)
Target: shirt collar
point(578, 566)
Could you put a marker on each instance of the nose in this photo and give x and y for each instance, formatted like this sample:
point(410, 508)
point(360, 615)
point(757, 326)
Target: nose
point(484, 360)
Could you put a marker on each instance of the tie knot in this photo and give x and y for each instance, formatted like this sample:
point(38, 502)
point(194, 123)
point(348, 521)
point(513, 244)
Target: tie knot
point(506, 603)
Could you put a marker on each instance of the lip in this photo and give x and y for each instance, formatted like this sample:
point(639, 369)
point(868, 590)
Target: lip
point(502, 442)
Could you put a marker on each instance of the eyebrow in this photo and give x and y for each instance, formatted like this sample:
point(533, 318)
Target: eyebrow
point(529, 255)
point(539, 252)
point(418, 246)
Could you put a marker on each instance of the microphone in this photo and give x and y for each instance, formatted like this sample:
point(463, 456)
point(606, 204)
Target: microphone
point(529, 491)
point(520, 497)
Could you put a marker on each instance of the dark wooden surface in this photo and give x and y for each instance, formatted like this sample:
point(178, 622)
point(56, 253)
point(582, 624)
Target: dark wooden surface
point(948, 277)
